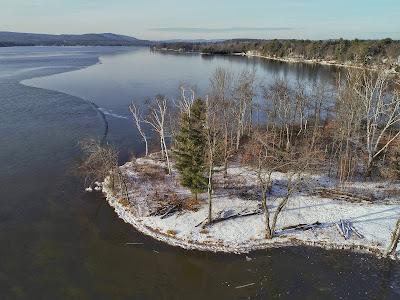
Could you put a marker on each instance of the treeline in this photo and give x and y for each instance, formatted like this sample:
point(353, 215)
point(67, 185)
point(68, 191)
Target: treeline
point(363, 52)
point(354, 125)
point(9, 44)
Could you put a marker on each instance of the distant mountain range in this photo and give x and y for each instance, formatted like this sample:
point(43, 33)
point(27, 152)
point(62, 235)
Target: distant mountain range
point(101, 39)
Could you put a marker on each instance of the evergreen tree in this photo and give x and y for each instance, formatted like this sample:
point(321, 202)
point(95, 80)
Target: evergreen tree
point(190, 149)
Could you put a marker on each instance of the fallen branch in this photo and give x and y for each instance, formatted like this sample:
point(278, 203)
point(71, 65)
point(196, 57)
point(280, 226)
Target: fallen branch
point(302, 227)
point(170, 211)
point(343, 195)
point(346, 228)
point(224, 215)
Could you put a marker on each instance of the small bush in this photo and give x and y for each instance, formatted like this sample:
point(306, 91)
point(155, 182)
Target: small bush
point(191, 204)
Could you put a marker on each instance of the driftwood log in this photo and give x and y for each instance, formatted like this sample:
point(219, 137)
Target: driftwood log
point(302, 227)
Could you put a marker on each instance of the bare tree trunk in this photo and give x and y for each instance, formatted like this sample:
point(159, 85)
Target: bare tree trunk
point(238, 136)
point(287, 138)
point(156, 119)
point(394, 240)
point(162, 147)
point(138, 120)
point(226, 150)
point(281, 206)
point(368, 171)
point(167, 156)
point(209, 191)
point(268, 231)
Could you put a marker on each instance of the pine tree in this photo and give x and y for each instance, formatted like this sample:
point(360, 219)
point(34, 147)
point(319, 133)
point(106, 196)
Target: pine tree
point(190, 149)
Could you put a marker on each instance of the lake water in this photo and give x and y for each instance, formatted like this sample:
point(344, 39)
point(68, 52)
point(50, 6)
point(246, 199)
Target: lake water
point(60, 243)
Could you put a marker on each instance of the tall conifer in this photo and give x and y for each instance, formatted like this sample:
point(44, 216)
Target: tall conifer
point(190, 149)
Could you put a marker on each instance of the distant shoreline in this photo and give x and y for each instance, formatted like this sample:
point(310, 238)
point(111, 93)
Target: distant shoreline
point(251, 54)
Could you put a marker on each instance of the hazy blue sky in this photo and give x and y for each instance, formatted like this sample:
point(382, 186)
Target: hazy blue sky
point(156, 19)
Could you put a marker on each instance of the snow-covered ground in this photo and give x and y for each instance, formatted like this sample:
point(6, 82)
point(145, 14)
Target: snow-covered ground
point(374, 221)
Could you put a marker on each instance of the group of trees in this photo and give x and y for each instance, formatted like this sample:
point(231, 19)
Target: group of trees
point(348, 131)
point(365, 52)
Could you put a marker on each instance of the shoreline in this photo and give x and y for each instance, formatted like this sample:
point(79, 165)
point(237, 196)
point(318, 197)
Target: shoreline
point(289, 60)
point(276, 242)
point(191, 238)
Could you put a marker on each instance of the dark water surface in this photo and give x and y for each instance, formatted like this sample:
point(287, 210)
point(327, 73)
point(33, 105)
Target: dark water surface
point(58, 243)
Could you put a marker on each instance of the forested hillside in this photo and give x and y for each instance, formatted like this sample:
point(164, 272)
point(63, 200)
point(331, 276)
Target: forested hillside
point(363, 52)
point(102, 39)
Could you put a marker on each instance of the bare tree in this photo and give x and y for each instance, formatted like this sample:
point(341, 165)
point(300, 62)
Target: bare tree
point(213, 135)
point(243, 94)
point(282, 107)
point(221, 96)
point(138, 119)
point(266, 156)
point(380, 110)
point(100, 162)
point(347, 138)
point(157, 120)
point(186, 100)
point(301, 106)
point(318, 103)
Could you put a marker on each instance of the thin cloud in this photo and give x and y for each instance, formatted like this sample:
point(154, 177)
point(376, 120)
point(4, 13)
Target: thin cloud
point(213, 30)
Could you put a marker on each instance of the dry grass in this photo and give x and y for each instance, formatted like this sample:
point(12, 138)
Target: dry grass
point(392, 193)
point(151, 172)
point(124, 202)
point(171, 232)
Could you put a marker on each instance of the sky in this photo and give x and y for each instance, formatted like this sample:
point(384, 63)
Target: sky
point(206, 19)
